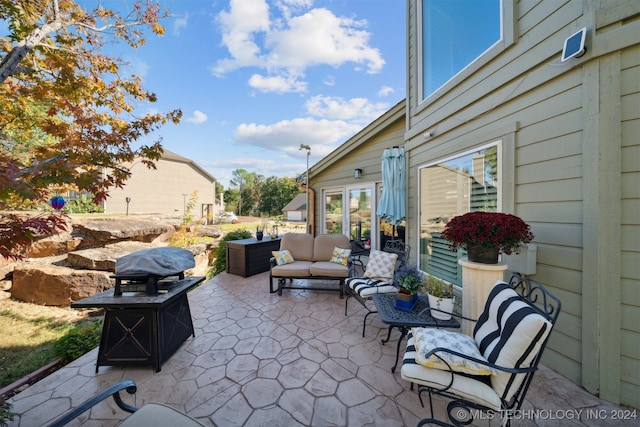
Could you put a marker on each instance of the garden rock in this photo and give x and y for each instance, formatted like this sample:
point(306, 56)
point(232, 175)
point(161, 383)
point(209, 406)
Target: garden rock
point(56, 285)
point(104, 259)
point(96, 232)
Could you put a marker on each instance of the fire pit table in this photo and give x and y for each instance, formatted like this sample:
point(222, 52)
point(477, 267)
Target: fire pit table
point(142, 328)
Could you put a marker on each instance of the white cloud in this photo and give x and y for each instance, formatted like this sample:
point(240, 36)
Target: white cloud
point(278, 84)
point(359, 110)
point(244, 19)
point(287, 45)
point(180, 23)
point(198, 117)
point(385, 91)
point(322, 135)
point(137, 66)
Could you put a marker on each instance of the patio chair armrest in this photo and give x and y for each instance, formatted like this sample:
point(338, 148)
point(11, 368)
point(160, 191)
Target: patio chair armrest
point(114, 391)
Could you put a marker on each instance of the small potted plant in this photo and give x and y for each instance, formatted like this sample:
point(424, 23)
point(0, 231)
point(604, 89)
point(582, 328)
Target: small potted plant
point(410, 281)
point(440, 294)
point(485, 234)
point(259, 232)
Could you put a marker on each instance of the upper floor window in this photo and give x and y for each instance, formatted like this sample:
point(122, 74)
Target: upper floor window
point(454, 34)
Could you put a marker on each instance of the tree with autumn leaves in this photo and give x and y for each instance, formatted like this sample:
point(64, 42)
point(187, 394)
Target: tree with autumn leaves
point(68, 119)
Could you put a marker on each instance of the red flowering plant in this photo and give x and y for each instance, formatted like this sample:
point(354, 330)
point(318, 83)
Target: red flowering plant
point(487, 229)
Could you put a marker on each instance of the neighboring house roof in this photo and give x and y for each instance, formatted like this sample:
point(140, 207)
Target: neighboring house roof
point(170, 155)
point(299, 203)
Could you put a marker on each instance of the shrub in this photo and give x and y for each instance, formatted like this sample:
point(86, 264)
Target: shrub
point(220, 263)
point(78, 341)
point(5, 412)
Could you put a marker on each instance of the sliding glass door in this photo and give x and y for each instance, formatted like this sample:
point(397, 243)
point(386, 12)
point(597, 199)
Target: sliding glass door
point(351, 211)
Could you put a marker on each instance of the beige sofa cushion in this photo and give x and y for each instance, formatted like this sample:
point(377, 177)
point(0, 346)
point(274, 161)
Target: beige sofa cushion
point(328, 269)
point(295, 269)
point(324, 243)
point(300, 245)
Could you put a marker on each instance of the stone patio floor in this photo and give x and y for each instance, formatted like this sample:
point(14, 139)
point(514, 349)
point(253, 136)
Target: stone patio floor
point(259, 359)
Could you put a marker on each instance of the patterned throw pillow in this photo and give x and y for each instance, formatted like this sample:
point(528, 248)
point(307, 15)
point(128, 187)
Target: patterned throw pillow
point(426, 339)
point(340, 256)
point(283, 257)
point(381, 265)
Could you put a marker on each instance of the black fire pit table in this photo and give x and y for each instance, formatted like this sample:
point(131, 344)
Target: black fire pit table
point(404, 320)
point(141, 328)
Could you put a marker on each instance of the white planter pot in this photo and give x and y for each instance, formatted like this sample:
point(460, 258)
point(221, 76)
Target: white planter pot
point(444, 304)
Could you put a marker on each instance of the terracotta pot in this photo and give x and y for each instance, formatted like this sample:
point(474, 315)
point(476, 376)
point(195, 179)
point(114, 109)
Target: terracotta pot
point(482, 255)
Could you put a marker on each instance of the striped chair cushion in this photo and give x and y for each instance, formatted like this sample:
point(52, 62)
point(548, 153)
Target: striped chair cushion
point(473, 387)
point(509, 333)
point(367, 287)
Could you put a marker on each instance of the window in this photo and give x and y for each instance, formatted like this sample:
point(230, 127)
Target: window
point(454, 186)
point(453, 35)
point(333, 212)
point(350, 211)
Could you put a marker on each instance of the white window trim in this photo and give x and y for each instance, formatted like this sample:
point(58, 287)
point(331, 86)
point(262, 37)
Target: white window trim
point(374, 187)
point(507, 38)
point(502, 180)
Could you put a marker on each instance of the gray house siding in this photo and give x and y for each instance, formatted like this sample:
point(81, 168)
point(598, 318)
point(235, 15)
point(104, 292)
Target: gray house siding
point(363, 150)
point(570, 167)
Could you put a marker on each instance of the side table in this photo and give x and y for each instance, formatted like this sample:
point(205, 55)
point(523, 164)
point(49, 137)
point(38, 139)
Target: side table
point(404, 320)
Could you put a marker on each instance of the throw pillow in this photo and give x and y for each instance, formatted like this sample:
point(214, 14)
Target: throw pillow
point(381, 265)
point(426, 339)
point(283, 257)
point(340, 256)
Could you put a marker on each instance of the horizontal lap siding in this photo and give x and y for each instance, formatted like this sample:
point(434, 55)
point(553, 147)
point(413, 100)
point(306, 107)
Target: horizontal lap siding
point(524, 86)
point(630, 228)
point(566, 117)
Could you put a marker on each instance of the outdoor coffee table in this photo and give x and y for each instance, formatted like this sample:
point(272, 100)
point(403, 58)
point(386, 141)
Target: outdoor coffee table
point(141, 328)
point(405, 320)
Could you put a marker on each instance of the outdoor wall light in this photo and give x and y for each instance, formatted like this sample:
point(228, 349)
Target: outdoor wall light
point(357, 173)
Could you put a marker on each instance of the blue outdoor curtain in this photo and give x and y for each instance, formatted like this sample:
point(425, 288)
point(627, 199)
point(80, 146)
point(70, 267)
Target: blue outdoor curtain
point(392, 205)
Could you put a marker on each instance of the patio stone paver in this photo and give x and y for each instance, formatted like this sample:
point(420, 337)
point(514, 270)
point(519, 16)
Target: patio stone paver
point(259, 359)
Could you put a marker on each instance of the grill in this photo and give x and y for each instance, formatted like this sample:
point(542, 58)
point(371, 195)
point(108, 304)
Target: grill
point(148, 283)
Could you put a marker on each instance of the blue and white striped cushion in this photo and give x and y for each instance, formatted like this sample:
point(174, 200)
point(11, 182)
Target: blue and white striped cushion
point(509, 333)
point(366, 287)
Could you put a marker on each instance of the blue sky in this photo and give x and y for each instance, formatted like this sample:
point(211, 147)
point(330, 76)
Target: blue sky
point(256, 78)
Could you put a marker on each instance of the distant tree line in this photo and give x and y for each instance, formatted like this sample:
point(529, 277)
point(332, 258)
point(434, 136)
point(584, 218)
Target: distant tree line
point(251, 194)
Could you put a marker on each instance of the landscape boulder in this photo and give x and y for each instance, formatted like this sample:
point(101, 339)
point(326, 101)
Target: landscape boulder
point(96, 232)
point(104, 259)
point(55, 285)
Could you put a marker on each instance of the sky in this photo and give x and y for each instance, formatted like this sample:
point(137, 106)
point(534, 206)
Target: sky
point(255, 78)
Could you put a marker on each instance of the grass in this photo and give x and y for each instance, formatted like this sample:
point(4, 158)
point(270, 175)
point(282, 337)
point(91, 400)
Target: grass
point(28, 335)
point(28, 332)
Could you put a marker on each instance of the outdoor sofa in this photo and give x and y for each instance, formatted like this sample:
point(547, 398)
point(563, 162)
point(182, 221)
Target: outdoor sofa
point(302, 256)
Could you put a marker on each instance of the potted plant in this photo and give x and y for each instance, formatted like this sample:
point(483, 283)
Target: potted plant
point(440, 294)
point(485, 234)
point(259, 232)
point(410, 281)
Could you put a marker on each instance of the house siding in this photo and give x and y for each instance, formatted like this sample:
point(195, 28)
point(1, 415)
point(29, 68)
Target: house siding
point(570, 167)
point(161, 191)
point(364, 150)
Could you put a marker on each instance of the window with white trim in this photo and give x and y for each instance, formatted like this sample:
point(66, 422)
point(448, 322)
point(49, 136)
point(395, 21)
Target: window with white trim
point(450, 187)
point(453, 34)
